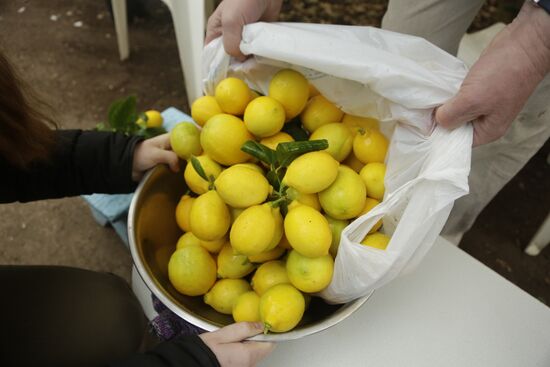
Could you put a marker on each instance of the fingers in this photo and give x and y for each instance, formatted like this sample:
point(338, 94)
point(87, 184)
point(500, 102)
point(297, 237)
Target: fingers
point(159, 155)
point(214, 25)
point(161, 141)
point(457, 111)
point(232, 25)
point(237, 332)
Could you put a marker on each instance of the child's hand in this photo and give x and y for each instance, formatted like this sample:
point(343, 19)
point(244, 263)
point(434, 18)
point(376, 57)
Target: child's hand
point(151, 152)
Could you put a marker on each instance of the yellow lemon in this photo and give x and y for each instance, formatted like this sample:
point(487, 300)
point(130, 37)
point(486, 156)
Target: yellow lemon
point(213, 246)
point(192, 271)
point(264, 116)
point(279, 227)
point(222, 138)
point(185, 140)
point(153, 117)
point(355, 123)
point(209, 217)
point(187, 239)
point(370, 146)
point(353, 162)
point(345, 198)
point(309, 274)
point(339, 137)
point(253, 230)
point(183, 209)
point(274, 140)
point(251, 166)
point(299, 198)
point(204, 108)
point(369, 204)
point(308, 231)
point(311, 172)
point(195, 182)
point(313, 91)
point(319, 111)
point(241, 187)
point(291, 90)
point(266, 256)
point(232, 95)
point(224, 294)
point(281, 308)
point(377, 240)
point(336, 227)
point(373, 176)
point(247, 307)
point(268, 275)
point(233, 265)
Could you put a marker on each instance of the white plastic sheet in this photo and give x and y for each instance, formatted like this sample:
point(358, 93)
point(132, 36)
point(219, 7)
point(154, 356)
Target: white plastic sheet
point(398, 79)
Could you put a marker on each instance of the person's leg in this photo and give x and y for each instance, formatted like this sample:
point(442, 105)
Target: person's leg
point(60, 316)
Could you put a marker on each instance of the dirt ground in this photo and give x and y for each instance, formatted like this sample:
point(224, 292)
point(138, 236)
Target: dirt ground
point(67, 51)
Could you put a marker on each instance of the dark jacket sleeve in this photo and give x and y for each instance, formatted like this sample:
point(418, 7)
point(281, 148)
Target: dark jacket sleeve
point(189, 351)
point(82, 162)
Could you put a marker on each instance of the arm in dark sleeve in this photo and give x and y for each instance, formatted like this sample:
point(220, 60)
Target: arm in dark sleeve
point(184, 352)
point(82, 162)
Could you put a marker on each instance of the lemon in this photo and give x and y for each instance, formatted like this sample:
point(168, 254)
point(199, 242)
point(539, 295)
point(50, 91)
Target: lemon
point(222, 137)
point(264, 116)
point(192, 271)
point(153, 119)
point(185, 140)
point(233, 265)
point(274, 140)
point(313, 91)
point(311, 172)
point(291, 90)
point(336, 227)
point(225, 292)
point(319, 111)
point(182, 212)
point(213, 246)
point(299, 198)
point(195, 182)
point(279, 227)
point(204, 108)
point(345, 198)
point(241, 187)
point(353, 162)
point(281, 308)
point(251, 166)
point(370, 146)
point(309, 274)
point(209, 217)
point(247, 307)
point(232, 95)
point(266, 256)
point(187, 239)
point(339, 137)
point(377, 240)
point(268, 275)
point(373, 177)
point(355, 123)
point(369, 204)
point(308, 231)
point(253, 230)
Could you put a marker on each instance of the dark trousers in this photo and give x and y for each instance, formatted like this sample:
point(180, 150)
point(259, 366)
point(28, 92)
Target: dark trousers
point(61, 316)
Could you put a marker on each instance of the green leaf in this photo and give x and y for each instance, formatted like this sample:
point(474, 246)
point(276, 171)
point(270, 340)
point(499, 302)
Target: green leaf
point(102, 126)
point(150, 132)
point(273, 179)
point(122, 114)
point(198, 167)
point(287, 152)
point(294, 129)
point(259, 151)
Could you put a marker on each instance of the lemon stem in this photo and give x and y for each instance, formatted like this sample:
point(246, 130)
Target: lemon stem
point(267, 327)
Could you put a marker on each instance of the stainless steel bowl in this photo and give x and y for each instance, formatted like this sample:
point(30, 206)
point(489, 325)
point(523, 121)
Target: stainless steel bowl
point(153, 233)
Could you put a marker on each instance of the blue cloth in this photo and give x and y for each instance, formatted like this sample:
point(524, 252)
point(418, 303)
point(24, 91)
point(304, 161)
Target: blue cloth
point(113, 209)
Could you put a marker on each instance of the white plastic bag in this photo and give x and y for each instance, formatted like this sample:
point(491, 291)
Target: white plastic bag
point(398, 79)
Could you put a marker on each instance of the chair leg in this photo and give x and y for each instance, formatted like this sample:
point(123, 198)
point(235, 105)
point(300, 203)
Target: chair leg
point(540, 240)
point(121, 27)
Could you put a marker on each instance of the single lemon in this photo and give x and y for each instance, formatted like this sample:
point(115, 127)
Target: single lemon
point(308, 231)
point(241, 187)
point(345, 198)
point(373, 176)
point(291, 90)
point(185, 140)
point(377, 240)
point(369, 204)
point(233, 265)
point(187, 239)
point(253, 230)
point(232, 95)
point(204, 108)
point(153, 119)
point(309, 274)
point(264, 116)
point(299, 198)
point(274, 140)
point(281, 308)
point(182, 212)
point(370, 146)
point(311, 172)
point(336, 227)
point(355, 123)
point(266, 256)
point(192, 271)
point(213, 246)
point(353, 162)
point(319, 111)
point(339, 137)
point(250, 165)
point(209, 217)
point(279, 227)
point(222, 138)
point(247, 307)
point(268, 275)
point(195, 182)
point(224, 294)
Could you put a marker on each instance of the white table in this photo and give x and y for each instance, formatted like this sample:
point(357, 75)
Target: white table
point(452, 311)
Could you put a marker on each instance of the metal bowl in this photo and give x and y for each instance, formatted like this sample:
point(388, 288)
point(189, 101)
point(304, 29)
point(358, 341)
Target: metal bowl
point(153, 233)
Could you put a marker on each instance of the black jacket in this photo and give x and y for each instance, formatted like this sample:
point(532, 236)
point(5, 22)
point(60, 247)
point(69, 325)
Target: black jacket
point(86, 162)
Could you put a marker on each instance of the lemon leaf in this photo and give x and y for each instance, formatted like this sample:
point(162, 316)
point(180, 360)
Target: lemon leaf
point(288, 151)
point(259, 151)
point(122, 114)
point(198, 168)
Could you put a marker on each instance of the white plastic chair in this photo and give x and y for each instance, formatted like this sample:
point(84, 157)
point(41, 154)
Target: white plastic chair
point(189, 25)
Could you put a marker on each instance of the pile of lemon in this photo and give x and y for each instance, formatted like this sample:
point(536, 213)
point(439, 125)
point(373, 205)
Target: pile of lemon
point(261, 228)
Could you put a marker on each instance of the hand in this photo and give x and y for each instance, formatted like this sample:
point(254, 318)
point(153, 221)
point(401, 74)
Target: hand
point(150, 152)
point(230, 349)
point(500, 82)
point(231, 16)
